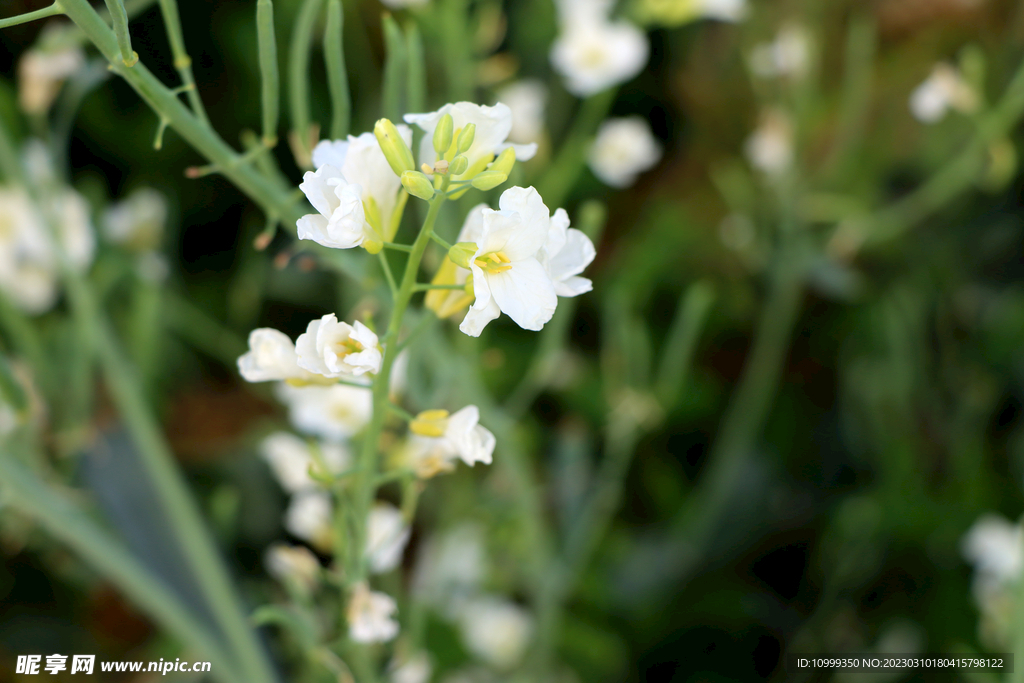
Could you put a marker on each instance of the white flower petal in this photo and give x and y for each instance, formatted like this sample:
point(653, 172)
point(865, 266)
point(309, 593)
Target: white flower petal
point(477, 317)
point(525, 293)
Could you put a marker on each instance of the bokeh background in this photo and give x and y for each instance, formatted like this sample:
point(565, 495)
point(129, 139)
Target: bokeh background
point(895, 421)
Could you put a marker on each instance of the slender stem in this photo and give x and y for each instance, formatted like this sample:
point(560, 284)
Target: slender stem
point(368, 460)
point(426, 320)
point(298, 72)
point(337, 77)
point(73, 527)
point(394, 70)
point(119, 18)
point(558, 180)
point(50, 11)
point(426, 287)
point(268, 194)
point(416, 90)
point(386, 267)
point(270, 80)
point(441, 241)
point(401, 412)
point(397, 247)
point(182, 62)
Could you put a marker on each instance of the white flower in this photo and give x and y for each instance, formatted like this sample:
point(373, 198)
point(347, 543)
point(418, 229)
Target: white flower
point(41, 73)
point(451, 568)
point(470, 441)
point(137, 222)
point(292, 563)
point(507, 277)
point(415, 669)
point(28, 260)
point(496, 631)
point(309, 517)
point(369, 616)
point(770, 147)
point(527, 100)
point(353, 189)
point(943, 90)
point(566, 253)
point(289, 458)
point(594, 53)
point(336, 349)
point(386, 536)
point(333, 412)
point(493, 126)
point(994, 546)
point(787, 56)
point(438, 438)
point(623, 149)
point(723, 10)
point(271, 357)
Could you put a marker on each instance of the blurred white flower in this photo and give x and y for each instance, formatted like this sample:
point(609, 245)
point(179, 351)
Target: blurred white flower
point(414, 669)
point(507, 276)
point(136, 222)
point(386, 536)
point(770, 147)
point(271, 357)
point(369, 616)
point(787, 56)
point(337, 349)
point(594, 53)
point(292, 564)
point(493, 127)
point(943, 90)
point(496, 630)
point(333, 412)
point(527, 100)
point(41, 74)
point(451, 568)
point(566, 253)
point(994, 546)
point(455, 435)
point(28, 261)
point(309, 517)
point(723, 10)
point(678, 12)
point(623, 149)
point(290, 458)
point(354, 191)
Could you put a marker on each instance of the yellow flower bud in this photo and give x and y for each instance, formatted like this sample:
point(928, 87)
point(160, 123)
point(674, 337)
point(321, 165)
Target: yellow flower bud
point(466, 138)
point(395, 150)
point(443, 135)
point(418, 185)
point(505, 161)
point(489, 180)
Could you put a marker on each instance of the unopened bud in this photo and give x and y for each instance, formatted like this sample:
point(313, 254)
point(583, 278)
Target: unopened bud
point(372, 246)
point(395, 150)
point(489, 180)
point(418, 185)
point(427, 168)
point(466, 138)
point(458, 165)
point(461, 253)
point(505, 161)
point(443, 135)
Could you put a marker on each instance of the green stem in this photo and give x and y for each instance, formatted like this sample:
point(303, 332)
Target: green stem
point(298, 72)
point(441, 241)
point(416, 90)
point(558, 180)
point(426, 287)
point(386, 267)
point(368, 459)
point(182, 62)
point(51, 11)
point(273, 197)
point(23, 491)
point(397, 247)
point(401, 412)
point(337, 77)
point(395, 81)
point(119, 18)
point(270, 79)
